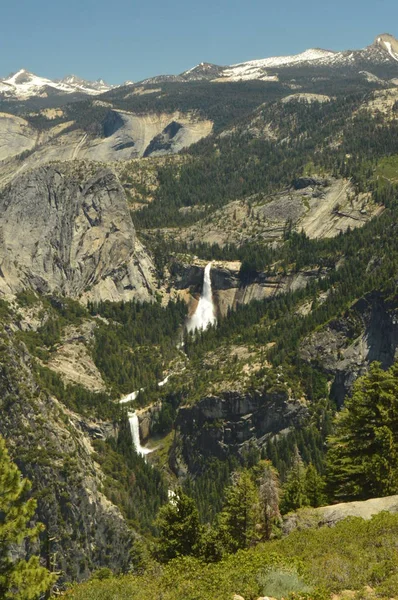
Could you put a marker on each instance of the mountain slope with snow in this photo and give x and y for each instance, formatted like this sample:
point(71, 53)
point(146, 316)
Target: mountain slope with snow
point(24, 85)
point(382, 55)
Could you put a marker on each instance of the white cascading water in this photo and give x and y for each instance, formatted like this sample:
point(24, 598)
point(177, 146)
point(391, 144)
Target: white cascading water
point(204, 315)
point(130, 397)
point(133, 419)
point(135, 434)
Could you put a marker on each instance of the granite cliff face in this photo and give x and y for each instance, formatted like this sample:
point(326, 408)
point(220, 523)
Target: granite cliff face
point(66, 228)
point(230, 423)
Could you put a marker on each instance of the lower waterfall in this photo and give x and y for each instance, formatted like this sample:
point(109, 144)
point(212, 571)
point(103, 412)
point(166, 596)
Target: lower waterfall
point(135, 434)
point(204, 315)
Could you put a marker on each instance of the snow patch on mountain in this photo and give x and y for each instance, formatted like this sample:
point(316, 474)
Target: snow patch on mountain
point(256, 69)
point(390, 51)
point(277, 61)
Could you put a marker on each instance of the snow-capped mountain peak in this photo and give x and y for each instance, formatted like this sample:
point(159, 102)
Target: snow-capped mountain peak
point(21, 76)
point(277, 61)
point(389, 43)
point(85, 86)
point(203, 70)
point(23, 85)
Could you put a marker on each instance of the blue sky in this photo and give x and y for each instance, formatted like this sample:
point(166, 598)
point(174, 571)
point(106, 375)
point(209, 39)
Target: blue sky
point(125, 39)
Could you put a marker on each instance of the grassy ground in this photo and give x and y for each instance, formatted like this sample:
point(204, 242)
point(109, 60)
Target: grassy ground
point(388, 168)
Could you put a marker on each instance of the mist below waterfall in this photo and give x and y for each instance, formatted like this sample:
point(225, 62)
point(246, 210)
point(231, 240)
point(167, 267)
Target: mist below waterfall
point(204, 315)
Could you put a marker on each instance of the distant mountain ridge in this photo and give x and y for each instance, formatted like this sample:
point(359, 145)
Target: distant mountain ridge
point(382, 52)
point(379, 59)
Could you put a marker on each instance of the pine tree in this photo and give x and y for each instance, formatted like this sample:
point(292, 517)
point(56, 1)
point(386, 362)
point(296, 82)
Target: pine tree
point(363, 454)
point(179, 528)
point(269, 495)
point(238, 517)
point(314, 486)
point(294, 493)
point(21, 579)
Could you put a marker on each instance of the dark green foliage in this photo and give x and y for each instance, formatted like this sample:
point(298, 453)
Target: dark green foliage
point(304, 486)
point(27, 298)
point(131, 483)
point(208, 486)
point(363, 452)
point(133, 349)
point(236, 523)
point(179, 528)
point(294, 494)
point(314, 486)
point(310, 440)
point(167, 414)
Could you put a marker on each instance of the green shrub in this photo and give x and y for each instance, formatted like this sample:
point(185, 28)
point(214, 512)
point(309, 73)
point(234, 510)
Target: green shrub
point(278, 583)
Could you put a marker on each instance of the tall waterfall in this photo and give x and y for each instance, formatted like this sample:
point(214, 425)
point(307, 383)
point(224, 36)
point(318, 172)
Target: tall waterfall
point(204, 314)
point(135, 434)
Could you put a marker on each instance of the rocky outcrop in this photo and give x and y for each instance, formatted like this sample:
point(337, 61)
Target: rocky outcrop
point(66, 228)
point(148, 418)
point(229, 423)
point(346, 346)
point(303, 182)
point(72, 359)
point(131, 135)
point(53, 448)
point(331, 515)
point(16, 136)
point(164, 141)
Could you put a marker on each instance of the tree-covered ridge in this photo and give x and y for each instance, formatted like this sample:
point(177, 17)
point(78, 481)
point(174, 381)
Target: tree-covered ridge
point(338, 137)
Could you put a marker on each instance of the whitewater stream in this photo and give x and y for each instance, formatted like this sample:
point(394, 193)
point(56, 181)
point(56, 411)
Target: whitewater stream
point(203, 317)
